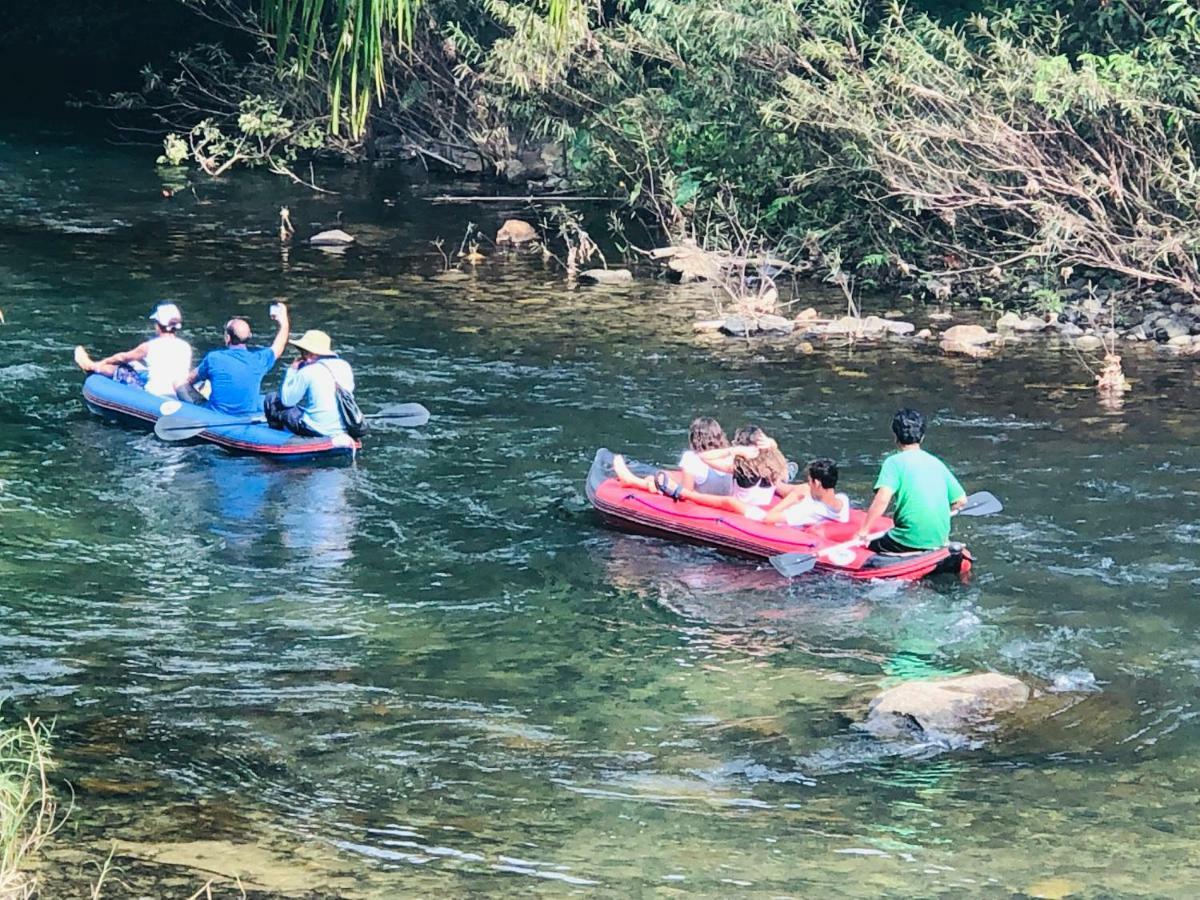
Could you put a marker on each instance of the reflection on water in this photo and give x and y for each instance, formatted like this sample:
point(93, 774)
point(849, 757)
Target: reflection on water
point(434, 671)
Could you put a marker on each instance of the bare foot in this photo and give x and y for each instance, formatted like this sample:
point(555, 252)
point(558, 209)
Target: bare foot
point(83, 360)
point(621, 470)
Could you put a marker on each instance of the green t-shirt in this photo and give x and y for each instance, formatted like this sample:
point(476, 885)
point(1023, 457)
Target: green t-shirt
point(924, 489)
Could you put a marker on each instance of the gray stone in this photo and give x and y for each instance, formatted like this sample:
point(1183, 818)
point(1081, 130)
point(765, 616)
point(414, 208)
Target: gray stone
point(1170, 328)
point(1088, 342)
point(1008, 322)
point(1069, 330)
point(335, 237)
point(606, 276)
point(1031, 323)
point(744, 326)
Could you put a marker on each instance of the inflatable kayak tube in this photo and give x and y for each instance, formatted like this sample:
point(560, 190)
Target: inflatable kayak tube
point(648, 512)
point(133, 407)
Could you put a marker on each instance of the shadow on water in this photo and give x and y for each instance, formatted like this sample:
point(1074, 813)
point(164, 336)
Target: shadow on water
point(434, 671)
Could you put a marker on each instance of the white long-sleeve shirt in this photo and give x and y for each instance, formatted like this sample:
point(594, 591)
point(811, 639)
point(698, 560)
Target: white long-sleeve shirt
point(312, 388)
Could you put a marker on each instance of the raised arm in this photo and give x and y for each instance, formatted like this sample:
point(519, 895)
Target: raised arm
point(281, 336)
point(722, 458)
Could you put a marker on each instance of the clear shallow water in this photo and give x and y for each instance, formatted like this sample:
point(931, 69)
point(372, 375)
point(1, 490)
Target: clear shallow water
point(434, 670)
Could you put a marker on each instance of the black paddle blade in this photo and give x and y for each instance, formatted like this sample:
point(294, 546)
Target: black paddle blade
point(403, 415)
point(981, 504)
point(789, 565)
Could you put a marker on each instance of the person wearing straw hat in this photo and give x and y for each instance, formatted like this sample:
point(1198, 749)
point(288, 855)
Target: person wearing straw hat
point(306, 403)
point(159, 365)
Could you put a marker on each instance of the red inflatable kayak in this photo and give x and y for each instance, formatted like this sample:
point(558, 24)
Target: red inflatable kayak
point(648, 512)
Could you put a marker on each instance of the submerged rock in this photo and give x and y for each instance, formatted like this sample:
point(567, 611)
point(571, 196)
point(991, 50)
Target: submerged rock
point(962, 705)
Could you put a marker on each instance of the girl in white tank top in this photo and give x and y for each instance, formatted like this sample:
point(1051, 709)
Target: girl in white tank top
point(168, 362)
point(159, 365)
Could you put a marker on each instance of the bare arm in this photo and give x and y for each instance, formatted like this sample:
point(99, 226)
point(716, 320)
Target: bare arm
point(280, 343)
point(958, 504)
point(137, 353)
point(722, 458)
point(879, 506)
point(775, 513)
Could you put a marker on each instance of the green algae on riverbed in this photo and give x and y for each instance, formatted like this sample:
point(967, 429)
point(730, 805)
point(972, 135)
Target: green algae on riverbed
point(434, 671)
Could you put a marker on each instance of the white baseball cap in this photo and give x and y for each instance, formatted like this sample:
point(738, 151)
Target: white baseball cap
point(166, 313)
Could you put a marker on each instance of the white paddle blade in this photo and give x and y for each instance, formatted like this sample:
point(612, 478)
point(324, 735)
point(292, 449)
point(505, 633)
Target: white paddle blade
point(981, 504)
point(789, 565)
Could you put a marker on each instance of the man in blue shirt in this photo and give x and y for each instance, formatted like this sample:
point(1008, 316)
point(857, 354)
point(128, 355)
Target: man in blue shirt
point(235, 373)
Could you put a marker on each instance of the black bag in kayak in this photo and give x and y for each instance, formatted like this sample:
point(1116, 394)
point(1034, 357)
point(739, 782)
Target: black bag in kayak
point(353, 419)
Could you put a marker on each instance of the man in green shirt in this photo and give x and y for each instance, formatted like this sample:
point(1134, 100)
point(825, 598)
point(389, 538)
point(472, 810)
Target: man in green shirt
point(925, 491)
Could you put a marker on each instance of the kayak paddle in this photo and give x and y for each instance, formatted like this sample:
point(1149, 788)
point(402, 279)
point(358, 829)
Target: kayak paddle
point(789, 565)
point(182, 425)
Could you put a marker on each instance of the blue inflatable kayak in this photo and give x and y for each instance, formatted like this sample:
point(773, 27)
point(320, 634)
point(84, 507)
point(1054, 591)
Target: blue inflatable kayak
point(134, 407)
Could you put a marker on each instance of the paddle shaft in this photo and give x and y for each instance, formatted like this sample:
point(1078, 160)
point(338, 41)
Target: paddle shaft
point(199, 427)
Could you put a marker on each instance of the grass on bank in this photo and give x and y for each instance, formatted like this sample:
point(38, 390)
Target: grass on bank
point(27, 807)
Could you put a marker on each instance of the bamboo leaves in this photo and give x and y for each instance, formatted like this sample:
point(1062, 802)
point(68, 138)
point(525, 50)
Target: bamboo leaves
point(354, 34)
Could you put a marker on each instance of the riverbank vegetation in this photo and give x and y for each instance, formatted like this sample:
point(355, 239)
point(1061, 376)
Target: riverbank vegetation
point(946, 148)
point(27, 807)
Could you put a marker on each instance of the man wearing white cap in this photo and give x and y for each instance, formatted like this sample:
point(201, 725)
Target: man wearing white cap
point(160, 365)
point(306, 403)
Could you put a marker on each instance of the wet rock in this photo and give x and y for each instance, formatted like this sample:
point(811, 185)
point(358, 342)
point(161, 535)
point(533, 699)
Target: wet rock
point(962, 705)
point(967, 340)
point(744, 326)
point(515, 231)
point(1088, 343)
point(1069, 329)
point(606, 276)
point(1168, 328)
point(868, 327)
point(708, 325)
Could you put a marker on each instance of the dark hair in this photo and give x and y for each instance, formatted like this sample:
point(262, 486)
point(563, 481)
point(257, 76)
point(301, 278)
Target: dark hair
point(824, 472)
point(766, 469)
point(908, 426)
point(171, 327)
point(705, 433)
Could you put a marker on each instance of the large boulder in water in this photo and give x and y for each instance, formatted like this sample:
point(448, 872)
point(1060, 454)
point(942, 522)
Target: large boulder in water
point(961, 705)
point(516, 231)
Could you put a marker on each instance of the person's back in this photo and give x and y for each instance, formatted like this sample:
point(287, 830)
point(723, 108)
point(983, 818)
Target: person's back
point(923, 490)
point(313, 389)
point(235, 373)
point(168, 361)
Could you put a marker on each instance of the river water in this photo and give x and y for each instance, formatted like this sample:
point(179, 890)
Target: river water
point(435, 671)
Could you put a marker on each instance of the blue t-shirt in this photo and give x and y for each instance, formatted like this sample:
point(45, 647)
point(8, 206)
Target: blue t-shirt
point(236, 375)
